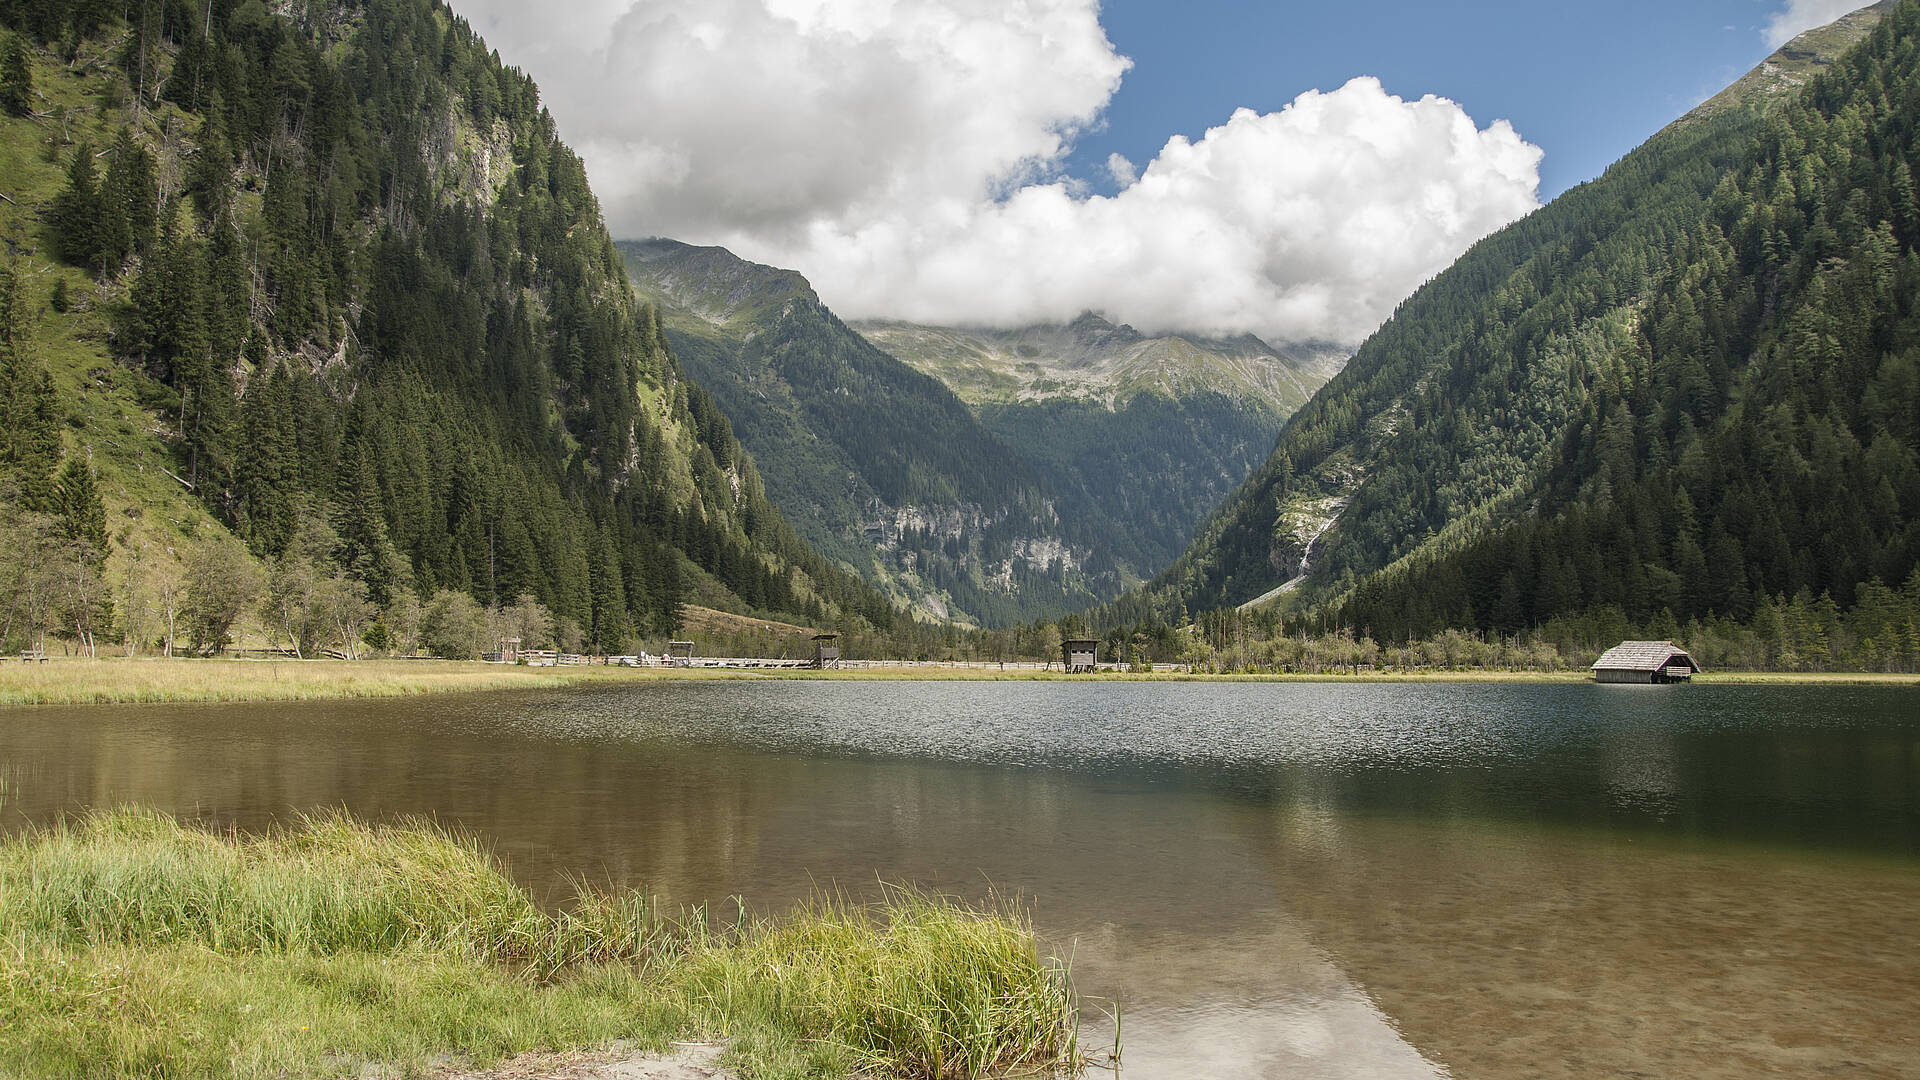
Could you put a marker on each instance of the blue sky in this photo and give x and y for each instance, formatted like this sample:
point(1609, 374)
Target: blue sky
point(1585, 82)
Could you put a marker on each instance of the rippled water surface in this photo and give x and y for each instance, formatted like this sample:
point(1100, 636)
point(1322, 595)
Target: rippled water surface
point(1271, 880)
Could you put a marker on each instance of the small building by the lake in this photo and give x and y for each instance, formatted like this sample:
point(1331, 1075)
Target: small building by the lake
point(826, 651)
point(679, 653)
point(1080, 655)
point(1645, 662)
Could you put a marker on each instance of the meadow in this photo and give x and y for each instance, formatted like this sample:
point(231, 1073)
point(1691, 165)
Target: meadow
point(159, 681)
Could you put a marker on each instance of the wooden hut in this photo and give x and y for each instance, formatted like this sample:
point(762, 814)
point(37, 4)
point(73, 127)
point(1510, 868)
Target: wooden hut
point(1645, 662)
point(679, 653)
point(1080, 655)
point(826, 651)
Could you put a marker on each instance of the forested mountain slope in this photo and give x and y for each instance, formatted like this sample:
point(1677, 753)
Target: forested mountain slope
point(883, 467)
point(1759, 436)
point(1145, 434)
point(1677, 388)
point(332, 275)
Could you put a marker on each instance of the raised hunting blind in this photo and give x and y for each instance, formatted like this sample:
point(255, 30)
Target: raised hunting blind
point(1079, 656)
point(826, 651)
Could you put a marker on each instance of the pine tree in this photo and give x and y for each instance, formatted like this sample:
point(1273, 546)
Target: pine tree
point(16, 77)
point(360, 520)
point(76, 211)
point(29, 431)
point(668, 586)
point(267, 479)
point(82, 516)
point(129, 200)
point(608, 629)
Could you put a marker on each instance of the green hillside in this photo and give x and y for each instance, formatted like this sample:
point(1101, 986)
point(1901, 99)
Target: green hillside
point(316, 321)
point(1677, 390)
point(876, 464)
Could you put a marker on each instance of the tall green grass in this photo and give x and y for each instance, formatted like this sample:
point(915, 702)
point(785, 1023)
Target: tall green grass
point(917, 987)
point(133, 945)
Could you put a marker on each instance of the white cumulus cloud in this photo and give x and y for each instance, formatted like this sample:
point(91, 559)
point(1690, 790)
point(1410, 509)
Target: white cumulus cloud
point(907, 156)
point(1801, 16)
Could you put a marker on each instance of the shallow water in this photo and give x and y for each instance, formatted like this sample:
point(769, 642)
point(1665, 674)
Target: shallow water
point(1299, 880)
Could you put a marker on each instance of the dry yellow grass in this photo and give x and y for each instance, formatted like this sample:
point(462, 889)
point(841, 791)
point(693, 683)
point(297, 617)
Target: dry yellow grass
point(131, 681)
point(119, 681)
point(1809, 678)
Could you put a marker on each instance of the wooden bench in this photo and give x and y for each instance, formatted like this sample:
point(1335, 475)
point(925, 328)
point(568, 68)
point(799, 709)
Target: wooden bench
point(33, 654)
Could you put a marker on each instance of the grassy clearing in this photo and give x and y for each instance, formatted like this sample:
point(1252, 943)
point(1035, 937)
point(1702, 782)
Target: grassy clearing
point(1808, 678)
point(107, 682)
point(121, 681)
point(153, 680)
point(131, 945)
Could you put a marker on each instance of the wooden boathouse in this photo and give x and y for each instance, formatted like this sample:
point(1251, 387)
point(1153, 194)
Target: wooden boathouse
point(1645, 662)
point(1080, 656)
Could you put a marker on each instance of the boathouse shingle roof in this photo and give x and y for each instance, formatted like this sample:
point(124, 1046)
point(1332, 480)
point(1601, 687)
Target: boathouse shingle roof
point(1643, 656)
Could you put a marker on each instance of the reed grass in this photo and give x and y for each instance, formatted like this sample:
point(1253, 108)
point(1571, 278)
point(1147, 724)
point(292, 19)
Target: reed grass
point(132, 945)
point(158, 681)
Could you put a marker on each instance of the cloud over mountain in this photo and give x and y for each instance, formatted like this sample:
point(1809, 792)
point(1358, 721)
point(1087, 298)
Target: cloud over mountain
point(906, 156)
point(1803, 15)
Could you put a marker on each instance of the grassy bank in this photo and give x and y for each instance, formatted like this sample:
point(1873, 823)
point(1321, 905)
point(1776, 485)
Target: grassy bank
point(1808, 678)
point(122, 681)
point(105, 682)
point(131, 945)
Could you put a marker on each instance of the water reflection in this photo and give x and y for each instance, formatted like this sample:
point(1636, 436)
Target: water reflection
point(1642, 775)
point(1324, 880)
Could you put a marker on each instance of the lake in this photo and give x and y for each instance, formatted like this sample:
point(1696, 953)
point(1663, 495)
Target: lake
point(1267, 880)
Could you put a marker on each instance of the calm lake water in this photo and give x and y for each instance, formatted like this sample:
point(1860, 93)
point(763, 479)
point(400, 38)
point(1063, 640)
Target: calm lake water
point(1272, 880)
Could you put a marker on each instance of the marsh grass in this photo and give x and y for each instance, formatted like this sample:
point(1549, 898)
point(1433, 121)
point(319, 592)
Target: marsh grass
point(122, 681)
point(133, 945)
point(157, 681)
point(907, 988)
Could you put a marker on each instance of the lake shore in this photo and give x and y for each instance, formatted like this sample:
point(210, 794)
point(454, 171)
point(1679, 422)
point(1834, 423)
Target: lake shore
point(154, 680)
point(138, 945)
point(118, 681)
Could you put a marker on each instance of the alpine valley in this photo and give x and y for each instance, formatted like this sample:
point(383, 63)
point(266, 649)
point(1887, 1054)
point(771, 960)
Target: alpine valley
point(993, 476)
point(311, 327)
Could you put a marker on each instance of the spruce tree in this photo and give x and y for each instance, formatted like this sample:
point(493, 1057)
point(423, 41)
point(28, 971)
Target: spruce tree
point(609, 618)
point(360, 519)
point(16, 77)
point(29, 426)
point(129, 200)
point(267, 478)
point(76, 211)
point(82, 516)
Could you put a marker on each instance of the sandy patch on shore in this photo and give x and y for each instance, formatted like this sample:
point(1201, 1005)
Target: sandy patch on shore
point(686, 1061)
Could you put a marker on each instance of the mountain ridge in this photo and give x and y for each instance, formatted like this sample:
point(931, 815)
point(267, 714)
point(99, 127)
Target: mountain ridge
point(1091, 357)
